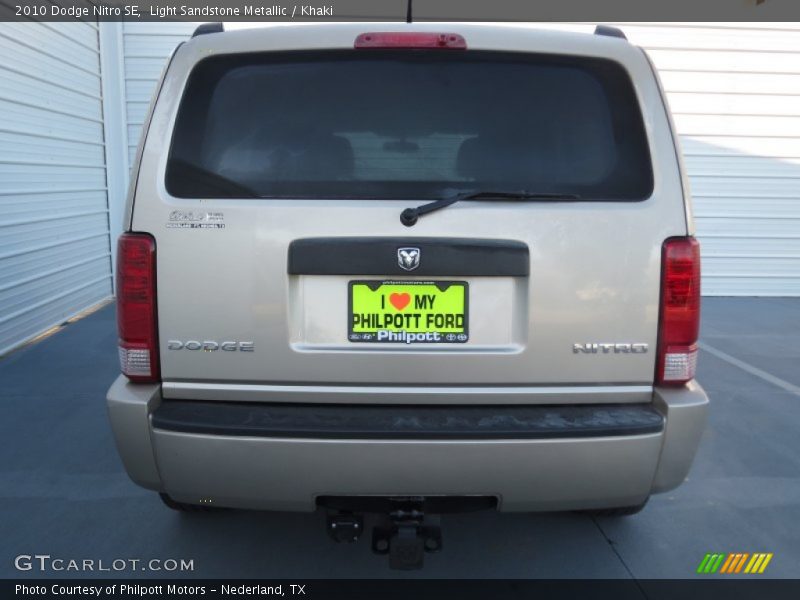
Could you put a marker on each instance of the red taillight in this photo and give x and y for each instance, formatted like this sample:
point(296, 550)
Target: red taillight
point(410, 39)
point(136, 307)
point(679, 323)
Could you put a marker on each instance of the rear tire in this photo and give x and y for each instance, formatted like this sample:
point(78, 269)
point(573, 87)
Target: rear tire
point(183, 506)
point(617, 511)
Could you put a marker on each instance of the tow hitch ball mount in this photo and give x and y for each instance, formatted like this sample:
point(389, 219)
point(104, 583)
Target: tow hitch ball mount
point(405, 535)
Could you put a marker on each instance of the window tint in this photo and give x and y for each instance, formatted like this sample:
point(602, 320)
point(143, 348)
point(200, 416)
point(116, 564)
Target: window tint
point(408, 124)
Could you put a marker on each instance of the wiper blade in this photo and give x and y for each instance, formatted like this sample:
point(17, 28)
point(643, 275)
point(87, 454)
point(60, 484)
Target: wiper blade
point(411, 215)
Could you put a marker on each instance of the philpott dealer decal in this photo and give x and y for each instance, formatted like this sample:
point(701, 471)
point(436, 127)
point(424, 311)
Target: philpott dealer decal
point(188, 219)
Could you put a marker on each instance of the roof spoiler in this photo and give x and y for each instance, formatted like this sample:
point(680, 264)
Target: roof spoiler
point(205, 28)
point(605, 30)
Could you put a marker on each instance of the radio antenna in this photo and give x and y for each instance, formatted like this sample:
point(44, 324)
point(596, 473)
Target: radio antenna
point(409, 18)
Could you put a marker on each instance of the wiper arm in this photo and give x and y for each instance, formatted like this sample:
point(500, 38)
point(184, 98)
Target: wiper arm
point(411, 215)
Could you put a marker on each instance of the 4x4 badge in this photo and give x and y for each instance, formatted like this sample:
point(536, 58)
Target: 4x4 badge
point(408, 258)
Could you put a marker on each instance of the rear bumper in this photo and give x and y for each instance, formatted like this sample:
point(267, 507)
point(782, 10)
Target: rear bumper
point(592, 463)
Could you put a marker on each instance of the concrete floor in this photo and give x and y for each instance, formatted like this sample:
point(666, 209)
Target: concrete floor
point(63, 491)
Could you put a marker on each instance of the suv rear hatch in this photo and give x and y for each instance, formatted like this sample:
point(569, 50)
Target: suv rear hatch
point(273, 183)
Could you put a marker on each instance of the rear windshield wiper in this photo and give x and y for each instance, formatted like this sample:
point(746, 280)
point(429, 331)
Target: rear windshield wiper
point(410, 215)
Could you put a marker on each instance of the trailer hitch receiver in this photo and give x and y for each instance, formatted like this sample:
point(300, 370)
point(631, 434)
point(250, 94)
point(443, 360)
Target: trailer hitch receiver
point(406, 536)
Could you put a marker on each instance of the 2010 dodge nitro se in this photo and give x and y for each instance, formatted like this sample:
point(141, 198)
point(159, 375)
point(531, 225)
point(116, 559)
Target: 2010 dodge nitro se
point(408, 269)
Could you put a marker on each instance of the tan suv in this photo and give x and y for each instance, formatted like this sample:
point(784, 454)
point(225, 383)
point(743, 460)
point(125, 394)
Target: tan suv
point(408, 269)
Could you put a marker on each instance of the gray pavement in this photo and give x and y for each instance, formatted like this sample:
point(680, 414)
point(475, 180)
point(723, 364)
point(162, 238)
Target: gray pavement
point(63, 491)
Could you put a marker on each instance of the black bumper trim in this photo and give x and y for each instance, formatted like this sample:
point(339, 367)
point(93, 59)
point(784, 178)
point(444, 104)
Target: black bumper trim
point(337, 421)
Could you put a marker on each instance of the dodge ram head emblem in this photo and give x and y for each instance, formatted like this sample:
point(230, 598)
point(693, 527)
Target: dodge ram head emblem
point(408, 258)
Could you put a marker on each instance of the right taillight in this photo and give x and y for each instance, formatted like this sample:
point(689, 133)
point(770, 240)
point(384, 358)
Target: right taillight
point(136, 307)
point(679, 321)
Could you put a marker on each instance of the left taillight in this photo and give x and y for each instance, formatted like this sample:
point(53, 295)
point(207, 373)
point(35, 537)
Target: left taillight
point(679, 322)
point(136, 307)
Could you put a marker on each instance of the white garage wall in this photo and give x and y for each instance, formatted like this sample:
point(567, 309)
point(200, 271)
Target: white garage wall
point(54, 228)
point(734, 90)
point(146, 48)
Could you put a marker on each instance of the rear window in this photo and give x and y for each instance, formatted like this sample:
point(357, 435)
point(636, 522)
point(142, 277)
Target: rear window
point(408, 124)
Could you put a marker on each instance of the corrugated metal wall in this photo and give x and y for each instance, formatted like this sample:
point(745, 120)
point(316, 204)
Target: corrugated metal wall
point(54, 228)
point(734, 90)
point(147, 46)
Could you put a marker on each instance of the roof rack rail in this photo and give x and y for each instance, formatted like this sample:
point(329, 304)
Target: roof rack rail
point(205, 28)
point(609, 31)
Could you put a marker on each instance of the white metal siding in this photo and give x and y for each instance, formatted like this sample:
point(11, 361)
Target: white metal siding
point(147, 46)
point(54, 240)
point(734, 90)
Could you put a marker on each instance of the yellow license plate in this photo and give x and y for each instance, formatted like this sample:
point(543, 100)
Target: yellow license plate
point(408, 312)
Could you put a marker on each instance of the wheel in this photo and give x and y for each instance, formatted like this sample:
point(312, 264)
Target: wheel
point(617, 511)
point(183, 506)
